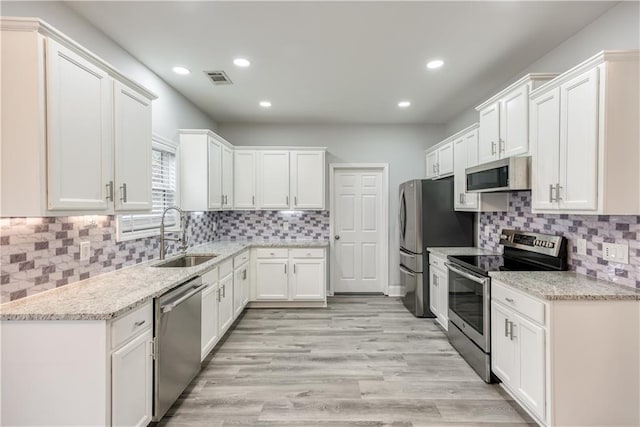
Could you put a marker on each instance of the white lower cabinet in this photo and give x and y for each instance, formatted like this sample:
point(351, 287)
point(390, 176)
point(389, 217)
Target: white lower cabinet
point(132, 381)
point(289, 275)
point(439, 290)
point(226, 303)
point(210, 327)
point(240, 289)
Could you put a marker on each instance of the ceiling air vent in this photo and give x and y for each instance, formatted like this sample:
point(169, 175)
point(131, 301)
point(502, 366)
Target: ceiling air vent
point(219, 77)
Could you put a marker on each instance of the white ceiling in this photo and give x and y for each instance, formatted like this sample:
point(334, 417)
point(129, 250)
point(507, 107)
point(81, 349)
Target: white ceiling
point(340, 62)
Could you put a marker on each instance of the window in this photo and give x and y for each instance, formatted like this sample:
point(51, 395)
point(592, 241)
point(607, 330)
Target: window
point(163, 195)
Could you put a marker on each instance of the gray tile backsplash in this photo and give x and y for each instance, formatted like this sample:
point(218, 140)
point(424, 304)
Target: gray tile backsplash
point(595, 229)
point(37, 254)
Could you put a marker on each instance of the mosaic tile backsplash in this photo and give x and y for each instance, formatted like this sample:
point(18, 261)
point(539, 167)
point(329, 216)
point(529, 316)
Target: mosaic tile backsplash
point(595, 229)
point(37, 254)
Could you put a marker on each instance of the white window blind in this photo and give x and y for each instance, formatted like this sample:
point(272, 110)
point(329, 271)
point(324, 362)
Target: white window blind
point(163, 195)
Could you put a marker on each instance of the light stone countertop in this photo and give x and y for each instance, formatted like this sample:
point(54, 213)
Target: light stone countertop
point(564, 285)
point(444, 251)
point(112, 294)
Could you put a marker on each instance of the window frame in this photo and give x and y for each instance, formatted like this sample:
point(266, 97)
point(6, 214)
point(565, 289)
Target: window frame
point(163, 144)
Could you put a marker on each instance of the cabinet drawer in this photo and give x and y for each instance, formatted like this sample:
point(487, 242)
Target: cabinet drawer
point(225, 268)
point(528, 306)
point(437, 262)
point(238, 260)
point(272, 253)
point(307, 253)
point(130, 324)
point(210, 277)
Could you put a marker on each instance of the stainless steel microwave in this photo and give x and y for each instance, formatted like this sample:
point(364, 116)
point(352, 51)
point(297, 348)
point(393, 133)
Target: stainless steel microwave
point(509, 174)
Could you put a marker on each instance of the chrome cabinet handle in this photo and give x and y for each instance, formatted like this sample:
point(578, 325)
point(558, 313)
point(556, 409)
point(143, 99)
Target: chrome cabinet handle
point(558, 198)
point(244, 274)
point(218, 293)
point(493, 147)
point(224, 291)
point(285, 269)
point(253, 200)
point(139, 323)
point(222, 200)
point(295, 200)
point(511, 336)
point(501, 146)
point(110, 191)
point(506, 327)
point(510, 300)
point(551, 200)
point(294, 269)
point(123, 191)
point(287, 203)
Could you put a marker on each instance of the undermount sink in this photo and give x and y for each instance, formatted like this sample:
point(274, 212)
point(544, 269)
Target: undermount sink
point(186, 261)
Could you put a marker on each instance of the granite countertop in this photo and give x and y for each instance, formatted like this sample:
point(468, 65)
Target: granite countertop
point(564, 285)
point(112, 294)
point(444, 251)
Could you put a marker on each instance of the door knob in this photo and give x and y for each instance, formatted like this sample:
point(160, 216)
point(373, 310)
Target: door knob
point(337, 237)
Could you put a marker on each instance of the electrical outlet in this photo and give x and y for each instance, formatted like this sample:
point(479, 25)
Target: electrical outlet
point(582, 246)
point(615, 253)
point(85, 250)
point(285, 226)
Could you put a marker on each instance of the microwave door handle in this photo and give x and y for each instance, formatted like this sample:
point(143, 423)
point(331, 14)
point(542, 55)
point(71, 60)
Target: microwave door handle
point(472, 277)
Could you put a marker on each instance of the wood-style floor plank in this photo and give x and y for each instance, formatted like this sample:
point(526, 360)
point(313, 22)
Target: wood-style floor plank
point(360, 362)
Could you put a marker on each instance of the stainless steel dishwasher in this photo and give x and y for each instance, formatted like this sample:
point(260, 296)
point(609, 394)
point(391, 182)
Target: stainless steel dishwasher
point(177, 331)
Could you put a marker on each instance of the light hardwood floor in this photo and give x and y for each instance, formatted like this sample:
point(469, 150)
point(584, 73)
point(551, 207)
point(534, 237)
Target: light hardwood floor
point(362, 361)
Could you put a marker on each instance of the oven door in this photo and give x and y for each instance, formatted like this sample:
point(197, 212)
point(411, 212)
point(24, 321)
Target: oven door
point(469, 304)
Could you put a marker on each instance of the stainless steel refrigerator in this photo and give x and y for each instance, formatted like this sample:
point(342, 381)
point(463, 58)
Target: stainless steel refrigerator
point(427, 219)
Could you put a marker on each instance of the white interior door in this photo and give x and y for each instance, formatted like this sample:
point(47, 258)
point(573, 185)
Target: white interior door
point(358, 210)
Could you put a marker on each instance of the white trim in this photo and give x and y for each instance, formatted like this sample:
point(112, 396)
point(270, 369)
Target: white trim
point(452, 137)
point(521, 81)
point(384, 168)
point(277, 147)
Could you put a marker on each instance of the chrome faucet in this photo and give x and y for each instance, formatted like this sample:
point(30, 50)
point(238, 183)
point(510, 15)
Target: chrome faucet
point(183, 227)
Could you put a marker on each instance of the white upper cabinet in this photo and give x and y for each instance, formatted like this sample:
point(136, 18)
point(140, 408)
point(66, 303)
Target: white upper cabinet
point(274, 180)
point(213, 173)
point(88, 145)
point(585, 138)
point(307, 179)
point(227, 177)
point(79, 135)
point(504, 120)
point(245, 167)
point(132, 125)
point(439, 160)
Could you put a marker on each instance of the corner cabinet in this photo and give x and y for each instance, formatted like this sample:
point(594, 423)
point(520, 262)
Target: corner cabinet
point(504, 120)
point(100, 167)
point(542, 350)
point(286, 277)
point(585, 138)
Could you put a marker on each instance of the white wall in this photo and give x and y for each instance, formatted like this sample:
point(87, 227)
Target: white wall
point(618, 28)
point(171, 111)
point(401, 146)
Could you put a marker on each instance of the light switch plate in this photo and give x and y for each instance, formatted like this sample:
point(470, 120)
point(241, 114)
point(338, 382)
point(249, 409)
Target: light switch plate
point(582, 246)
point(615, 253)
point(85, 250)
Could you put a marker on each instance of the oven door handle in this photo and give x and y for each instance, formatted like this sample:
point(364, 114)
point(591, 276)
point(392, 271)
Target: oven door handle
point(406, 271)
point(472, 277)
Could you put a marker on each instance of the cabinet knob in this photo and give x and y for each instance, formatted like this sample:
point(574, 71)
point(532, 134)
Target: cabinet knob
point(337, 237)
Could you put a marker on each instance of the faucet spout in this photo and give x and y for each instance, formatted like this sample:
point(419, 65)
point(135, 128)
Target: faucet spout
point(183, 227)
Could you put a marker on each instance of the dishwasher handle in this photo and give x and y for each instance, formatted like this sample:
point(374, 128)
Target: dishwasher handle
point(194, 290)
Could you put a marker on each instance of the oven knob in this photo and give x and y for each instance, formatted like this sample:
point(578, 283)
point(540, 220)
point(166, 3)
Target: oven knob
point(551, 245)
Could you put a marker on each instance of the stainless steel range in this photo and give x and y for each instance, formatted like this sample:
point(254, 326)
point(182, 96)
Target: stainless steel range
point(470, 289)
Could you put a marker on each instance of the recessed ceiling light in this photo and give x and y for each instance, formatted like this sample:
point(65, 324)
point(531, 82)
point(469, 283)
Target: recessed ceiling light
point(241, 62)
point(265, 104)
point(436, 63)
point(404, 104)
point(181, 70)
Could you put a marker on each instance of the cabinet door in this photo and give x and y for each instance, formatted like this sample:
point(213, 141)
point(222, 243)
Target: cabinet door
point(238, 283)
point(530, 345)
point(215, 174)
point(307, 179)
point(434, 301)
point(443, 298)
point(132, 382)
point(271, 279)
point(445, 160)
point(246, 283)
point(79, 132)
point(274, 179)
point(210, 326)
point(307, 280)
point(489, 133)
point(503, 348)
point(225, 306)
point(227, 177)
point(431, 163)
point(459, 177)
point(545, 149)
point(514, 123)
point(244, 179)
point(579, 143)
point(470, 200)
point(132, 125)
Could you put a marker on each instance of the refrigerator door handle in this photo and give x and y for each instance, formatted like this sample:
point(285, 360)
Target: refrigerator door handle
point(406, 271)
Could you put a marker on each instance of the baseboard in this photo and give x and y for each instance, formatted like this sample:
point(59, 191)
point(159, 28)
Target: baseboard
point(396, 291)
point(287, 304)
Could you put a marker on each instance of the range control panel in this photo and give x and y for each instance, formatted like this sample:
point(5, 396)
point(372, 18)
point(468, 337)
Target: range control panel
point(534, 242)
